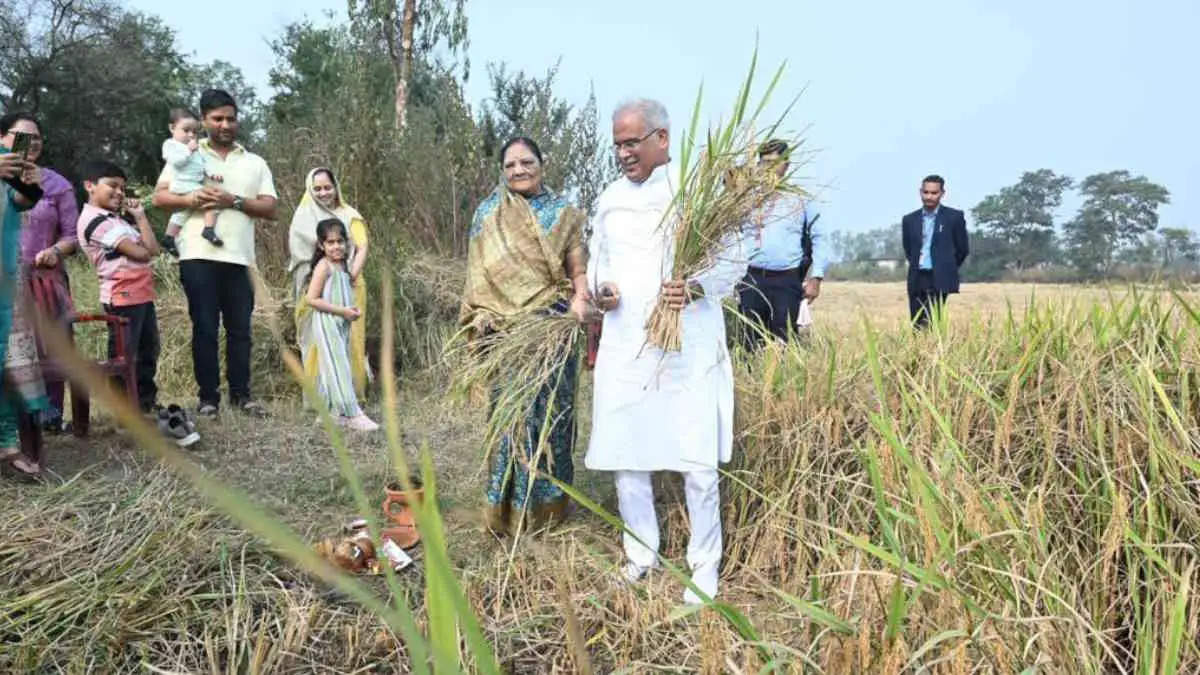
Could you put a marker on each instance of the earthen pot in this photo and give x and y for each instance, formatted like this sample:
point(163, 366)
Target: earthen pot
point(404, 536)
point(397, 508)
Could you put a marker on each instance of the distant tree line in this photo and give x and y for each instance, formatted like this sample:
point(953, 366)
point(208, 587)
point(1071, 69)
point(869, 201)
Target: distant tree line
point(1014, 235)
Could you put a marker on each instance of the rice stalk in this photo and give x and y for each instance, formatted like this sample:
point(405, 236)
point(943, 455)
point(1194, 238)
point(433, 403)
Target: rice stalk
point(511, 366)
point(716, 195)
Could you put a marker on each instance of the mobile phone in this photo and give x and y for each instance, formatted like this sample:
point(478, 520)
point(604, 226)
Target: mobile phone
point(21, 143)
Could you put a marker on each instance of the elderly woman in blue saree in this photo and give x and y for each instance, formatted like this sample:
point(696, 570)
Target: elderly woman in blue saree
point(23, 386)
point(526, 254)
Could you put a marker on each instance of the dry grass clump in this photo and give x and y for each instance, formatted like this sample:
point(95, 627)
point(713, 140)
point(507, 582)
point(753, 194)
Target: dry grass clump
point(101, 575)
point(175, 378)
point(428, 296)
point(1015, 494)
point(509, 367)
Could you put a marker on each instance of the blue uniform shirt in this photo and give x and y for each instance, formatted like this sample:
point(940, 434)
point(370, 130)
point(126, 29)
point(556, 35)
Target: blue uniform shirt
point(777, 245)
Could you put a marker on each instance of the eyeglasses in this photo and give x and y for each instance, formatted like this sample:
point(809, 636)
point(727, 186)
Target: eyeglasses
point(631, 144)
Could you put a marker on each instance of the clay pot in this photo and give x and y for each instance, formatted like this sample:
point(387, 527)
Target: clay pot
point(397, 508)
point(404, 536)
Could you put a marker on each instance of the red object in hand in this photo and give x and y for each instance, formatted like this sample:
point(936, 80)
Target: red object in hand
point(593, 343)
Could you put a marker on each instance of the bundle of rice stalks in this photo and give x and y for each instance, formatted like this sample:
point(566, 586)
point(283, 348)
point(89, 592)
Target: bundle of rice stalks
point(716, 195)
point(514, 364)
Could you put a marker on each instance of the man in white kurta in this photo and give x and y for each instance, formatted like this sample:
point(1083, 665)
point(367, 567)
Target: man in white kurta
point(656, 411)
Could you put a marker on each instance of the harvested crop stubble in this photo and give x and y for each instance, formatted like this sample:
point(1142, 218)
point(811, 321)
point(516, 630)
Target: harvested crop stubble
point(98, 575)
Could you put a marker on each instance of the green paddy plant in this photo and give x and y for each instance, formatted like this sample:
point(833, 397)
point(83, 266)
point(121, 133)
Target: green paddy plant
point(719, 188)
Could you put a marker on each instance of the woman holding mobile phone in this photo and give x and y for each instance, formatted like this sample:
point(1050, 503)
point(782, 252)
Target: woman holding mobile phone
point(48, 232)
point(18, 194)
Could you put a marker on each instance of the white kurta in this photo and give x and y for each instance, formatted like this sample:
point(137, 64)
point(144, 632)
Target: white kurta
point(656, 411)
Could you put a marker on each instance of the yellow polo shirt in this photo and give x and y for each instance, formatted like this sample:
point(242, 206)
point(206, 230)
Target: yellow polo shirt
point(244, 174)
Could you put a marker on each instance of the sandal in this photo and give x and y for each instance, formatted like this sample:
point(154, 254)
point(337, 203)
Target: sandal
point(18, 462)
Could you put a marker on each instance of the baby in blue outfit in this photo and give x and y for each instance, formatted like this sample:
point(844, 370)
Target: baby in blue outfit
point(182, 152)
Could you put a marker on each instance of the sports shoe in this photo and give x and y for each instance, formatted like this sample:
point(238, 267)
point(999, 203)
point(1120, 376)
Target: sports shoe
point(252, 408)
point(361, 422)
point(209, 410)
point(175, 428)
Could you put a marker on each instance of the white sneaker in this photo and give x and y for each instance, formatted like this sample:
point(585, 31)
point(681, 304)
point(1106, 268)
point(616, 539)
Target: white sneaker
point(704, 578)
point(361, 423)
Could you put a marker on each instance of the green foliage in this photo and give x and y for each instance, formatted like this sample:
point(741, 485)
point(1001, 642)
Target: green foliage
point(991, 256)
point(1118, 209)
point(1179, 244)
point(436, 22)
point(578, 159)
point(879, 243)
point(418, 188)
point(1020, 219)
point(102, 79)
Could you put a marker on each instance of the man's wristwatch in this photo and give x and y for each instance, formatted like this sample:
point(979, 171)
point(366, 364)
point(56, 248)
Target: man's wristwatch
point(239, 204)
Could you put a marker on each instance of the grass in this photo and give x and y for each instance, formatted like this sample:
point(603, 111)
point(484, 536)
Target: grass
point(1015, 492)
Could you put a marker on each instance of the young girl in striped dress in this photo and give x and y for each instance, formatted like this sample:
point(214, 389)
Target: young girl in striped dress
point(330, 299)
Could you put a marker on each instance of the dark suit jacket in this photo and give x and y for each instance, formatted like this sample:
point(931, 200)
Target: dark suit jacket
point(949, 248)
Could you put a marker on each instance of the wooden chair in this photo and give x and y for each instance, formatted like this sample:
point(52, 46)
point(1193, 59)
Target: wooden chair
point(51, 302)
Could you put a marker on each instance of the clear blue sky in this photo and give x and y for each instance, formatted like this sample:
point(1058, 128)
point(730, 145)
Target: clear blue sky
point(977, 90)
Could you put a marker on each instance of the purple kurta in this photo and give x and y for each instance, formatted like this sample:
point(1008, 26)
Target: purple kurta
point(52, 219)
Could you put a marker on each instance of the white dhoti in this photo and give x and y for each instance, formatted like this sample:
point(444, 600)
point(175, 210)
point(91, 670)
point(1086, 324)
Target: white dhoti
point(656, 411)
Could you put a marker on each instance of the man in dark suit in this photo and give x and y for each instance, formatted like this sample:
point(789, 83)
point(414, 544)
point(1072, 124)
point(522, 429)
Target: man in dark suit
point(935, 244)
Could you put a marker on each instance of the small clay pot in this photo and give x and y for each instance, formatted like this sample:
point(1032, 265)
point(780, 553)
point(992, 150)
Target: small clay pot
point(398, 502)
point(404, 536)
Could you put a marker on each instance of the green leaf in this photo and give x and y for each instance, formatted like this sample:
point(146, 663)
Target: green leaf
point(1178, 623)
point(817, 614)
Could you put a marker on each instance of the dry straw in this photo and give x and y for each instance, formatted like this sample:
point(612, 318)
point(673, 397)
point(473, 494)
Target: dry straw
point(511, 366)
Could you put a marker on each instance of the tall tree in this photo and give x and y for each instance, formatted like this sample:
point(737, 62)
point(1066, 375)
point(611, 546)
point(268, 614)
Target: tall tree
point(1118, 209)
point(1180, 245)
point(408, 29)
point(101, 79)
point(1021, 217)
point(334, 106)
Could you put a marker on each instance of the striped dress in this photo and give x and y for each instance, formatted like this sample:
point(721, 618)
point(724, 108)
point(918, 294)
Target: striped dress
point(330, 346)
